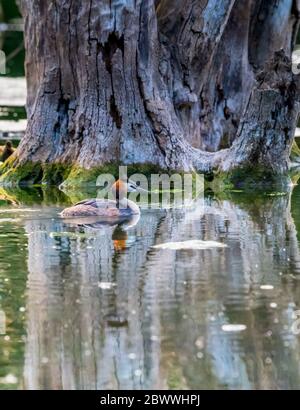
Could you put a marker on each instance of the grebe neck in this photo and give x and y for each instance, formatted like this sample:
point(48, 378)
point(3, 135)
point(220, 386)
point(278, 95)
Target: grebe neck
point(126, 204)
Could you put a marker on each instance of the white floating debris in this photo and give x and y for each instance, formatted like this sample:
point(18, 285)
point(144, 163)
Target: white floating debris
point(200, 355)
point(2, 322)
point(266, 287)
point(132, 356)
point(22, 309)
point(234, 328)
point(138, 373)
point(106, 285)
point(199, 343)
point(273, 305)
point(193, 244)
point(9, 379)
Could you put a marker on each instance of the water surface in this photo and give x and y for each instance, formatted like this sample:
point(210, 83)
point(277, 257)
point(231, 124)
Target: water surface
point(98, 307)
point(91, 307)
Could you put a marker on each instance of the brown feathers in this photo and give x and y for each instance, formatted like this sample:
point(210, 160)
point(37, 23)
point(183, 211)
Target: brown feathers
point(90, 210)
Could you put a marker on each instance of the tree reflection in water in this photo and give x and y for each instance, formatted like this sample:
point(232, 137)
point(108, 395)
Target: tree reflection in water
point(157, 321)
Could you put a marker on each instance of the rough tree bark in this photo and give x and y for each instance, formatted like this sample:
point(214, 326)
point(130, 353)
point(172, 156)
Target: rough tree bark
point(181, 84)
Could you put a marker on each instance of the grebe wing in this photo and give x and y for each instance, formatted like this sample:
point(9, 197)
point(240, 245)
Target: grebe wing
point(97, 203)
point(92, 207)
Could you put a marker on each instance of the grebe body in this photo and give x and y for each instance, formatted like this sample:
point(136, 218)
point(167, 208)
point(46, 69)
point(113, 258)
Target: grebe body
point(121, 208)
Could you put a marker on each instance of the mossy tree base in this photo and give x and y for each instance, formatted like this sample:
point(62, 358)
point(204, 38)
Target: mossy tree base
point(72, 176)
point(138, 92)
point(249, 180)
point(295, 153)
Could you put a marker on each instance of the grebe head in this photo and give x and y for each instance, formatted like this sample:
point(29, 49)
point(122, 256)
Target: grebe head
point(121, 188)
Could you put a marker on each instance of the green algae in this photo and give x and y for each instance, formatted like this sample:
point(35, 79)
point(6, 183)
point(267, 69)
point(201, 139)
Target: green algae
point(79, 176)
point(250, 179)
point(72, 177)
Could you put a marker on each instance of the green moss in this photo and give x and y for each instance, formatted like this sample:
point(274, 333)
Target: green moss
point(295, 176)
point(29, 196)
point(55, 174)
point(80, 177)
point(52, 195)
point(250, 179)
point(6, 198)
point(9, 163)
point(74, 176)
point(295, 153)
point(27, 174)
point(30, 174)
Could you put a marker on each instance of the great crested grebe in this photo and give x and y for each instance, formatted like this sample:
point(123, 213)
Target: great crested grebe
point(121, 208)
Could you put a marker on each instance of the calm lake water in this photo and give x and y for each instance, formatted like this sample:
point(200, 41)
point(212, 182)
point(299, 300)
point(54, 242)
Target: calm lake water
point(86, 307)
point(97, 307)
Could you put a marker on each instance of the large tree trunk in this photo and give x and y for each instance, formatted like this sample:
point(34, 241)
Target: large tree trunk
point(181, 84)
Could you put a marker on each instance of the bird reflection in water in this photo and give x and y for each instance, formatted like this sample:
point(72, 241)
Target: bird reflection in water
point(119, 228)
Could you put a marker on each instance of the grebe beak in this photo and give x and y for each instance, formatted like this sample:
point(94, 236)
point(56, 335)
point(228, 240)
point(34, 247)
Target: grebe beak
point(142, 190)
point(133, 187)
